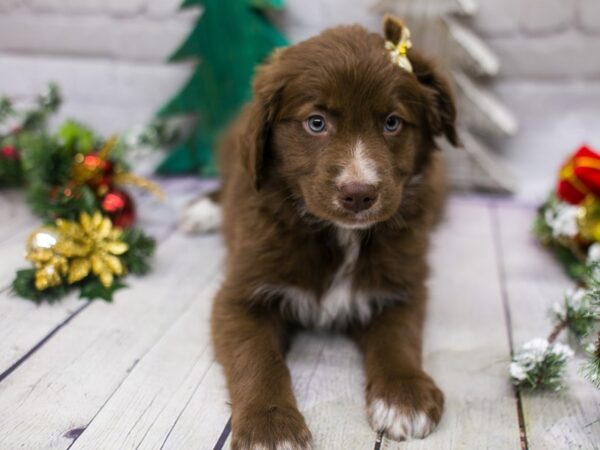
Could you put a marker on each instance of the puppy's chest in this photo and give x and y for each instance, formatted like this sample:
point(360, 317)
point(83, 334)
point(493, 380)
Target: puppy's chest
point(341, 302)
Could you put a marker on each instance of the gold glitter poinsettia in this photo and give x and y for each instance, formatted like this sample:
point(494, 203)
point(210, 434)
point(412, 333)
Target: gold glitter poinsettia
point(76, 249)
point(92, 245)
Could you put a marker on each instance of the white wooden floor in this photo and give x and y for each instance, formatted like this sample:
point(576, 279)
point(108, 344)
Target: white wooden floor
point(139, 373)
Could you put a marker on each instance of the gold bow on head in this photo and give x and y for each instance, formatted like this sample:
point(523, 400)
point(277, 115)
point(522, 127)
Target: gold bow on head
point(399, 51)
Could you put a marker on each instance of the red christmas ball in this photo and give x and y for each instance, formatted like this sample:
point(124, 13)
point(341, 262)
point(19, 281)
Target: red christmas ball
point(118, 205)
point(9, 152)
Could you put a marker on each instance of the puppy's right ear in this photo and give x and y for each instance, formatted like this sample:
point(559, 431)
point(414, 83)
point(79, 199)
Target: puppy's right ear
point(267, 88)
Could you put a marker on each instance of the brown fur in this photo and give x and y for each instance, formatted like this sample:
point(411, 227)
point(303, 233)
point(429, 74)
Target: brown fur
point(280, 226)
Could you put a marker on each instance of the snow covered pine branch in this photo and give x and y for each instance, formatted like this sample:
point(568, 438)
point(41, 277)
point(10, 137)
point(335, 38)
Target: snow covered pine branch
point(568, 223)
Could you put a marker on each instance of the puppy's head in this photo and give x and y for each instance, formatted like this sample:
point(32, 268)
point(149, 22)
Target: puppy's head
point(343, 126)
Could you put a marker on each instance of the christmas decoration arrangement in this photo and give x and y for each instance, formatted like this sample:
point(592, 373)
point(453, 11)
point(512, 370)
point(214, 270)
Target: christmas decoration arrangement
point(75, 182)
point(221, 81)
point(568, 223)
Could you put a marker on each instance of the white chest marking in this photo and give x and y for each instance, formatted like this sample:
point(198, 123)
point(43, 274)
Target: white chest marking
point(340, 304)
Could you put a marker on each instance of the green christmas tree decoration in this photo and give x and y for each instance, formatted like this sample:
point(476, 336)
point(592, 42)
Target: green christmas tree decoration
point(229, 40)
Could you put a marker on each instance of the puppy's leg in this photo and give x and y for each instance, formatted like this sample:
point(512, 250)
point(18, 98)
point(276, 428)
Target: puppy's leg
point(202, 215)
point(403, 401)
point(250, 345)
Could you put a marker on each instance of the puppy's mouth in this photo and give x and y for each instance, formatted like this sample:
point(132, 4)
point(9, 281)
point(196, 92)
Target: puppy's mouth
point(358, 220)
point(355, 225)
point(339, 217)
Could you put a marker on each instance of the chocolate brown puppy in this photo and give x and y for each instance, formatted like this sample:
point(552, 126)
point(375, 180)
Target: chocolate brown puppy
point(331, 183)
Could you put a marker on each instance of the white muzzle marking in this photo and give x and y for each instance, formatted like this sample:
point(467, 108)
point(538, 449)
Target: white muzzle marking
point(360, 169)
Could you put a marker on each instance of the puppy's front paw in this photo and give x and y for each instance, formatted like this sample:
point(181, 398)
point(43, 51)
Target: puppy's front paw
point(276, 428)
point(405, 408)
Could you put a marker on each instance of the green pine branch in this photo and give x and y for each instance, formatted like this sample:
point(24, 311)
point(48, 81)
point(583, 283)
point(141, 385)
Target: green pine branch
point(591, 369)
point(24, 286)
point(92, 289)
point(141, 249)
point(6, 109)
point(46, 105)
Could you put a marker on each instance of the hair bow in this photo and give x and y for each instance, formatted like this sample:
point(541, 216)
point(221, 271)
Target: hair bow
point(398, 52)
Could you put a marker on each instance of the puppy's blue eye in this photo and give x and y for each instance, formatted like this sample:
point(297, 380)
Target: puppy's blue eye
point(393, 124)
point(316, 124)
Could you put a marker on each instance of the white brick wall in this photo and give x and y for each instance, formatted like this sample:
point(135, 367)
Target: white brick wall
point(108, 55)
point(112, 52)
point(588, 15)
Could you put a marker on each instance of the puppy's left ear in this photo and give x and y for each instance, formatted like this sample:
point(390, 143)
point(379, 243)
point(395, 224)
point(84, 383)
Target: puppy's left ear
point(440, 104)
point(267, 88)
point(257, 138)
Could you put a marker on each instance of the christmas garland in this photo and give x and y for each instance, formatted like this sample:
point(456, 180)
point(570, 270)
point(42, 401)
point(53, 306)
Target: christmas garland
point(568, 223)
point(73, 180)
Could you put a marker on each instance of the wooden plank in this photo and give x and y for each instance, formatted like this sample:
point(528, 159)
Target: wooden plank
point(16, 224)
point(204, 417)
point(466, 345)
point(534, 281)
point(59, 389)
point(147, 405)
point(23, 324)
point(329, 382)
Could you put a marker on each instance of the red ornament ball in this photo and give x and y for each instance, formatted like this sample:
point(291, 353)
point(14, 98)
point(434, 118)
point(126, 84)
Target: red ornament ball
point(118, 205)
point(9, 152)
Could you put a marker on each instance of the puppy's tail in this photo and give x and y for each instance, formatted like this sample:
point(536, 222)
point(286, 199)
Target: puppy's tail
point(203, 214)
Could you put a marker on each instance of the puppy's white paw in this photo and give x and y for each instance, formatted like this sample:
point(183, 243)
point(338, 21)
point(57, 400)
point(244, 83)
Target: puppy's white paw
point(397, 424)
point(202, 216)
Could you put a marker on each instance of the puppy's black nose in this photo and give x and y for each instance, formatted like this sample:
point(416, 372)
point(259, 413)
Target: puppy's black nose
point(357, 196)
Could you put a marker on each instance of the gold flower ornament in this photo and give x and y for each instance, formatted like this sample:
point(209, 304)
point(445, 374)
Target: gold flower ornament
point(76, 249)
